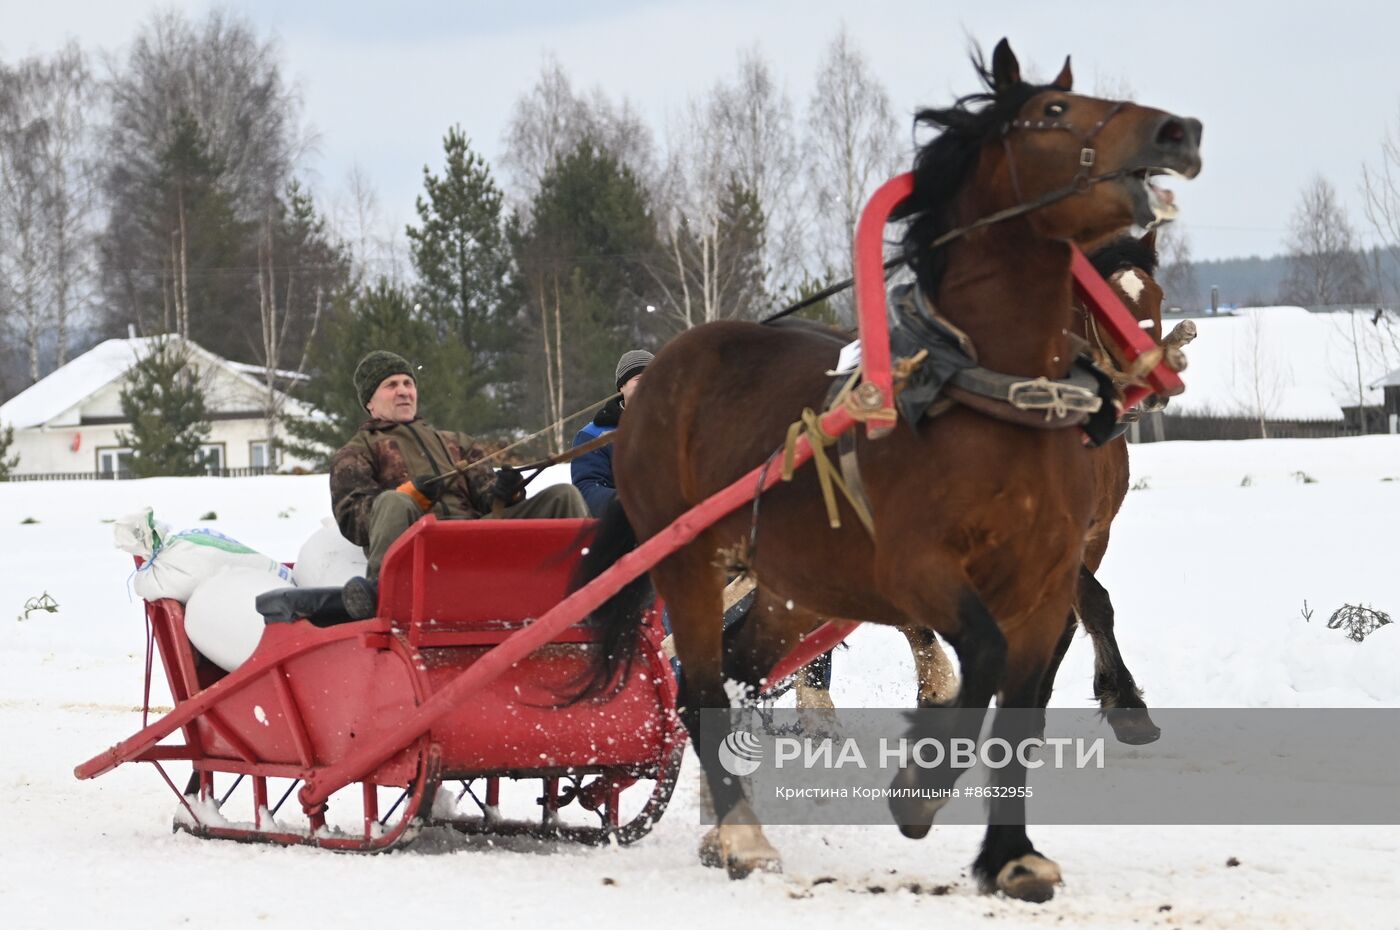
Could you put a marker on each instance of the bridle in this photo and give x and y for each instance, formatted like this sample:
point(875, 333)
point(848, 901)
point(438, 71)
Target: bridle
point(1081, 182)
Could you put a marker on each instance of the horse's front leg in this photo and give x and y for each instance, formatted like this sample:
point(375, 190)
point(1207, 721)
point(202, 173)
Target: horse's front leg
point(981, 648)
point(1118, 693)
point(692, 587)
point(1008, 862)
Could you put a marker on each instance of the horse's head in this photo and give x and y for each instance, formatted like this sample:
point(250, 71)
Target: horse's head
point(1072, 167)
point(1129, 266)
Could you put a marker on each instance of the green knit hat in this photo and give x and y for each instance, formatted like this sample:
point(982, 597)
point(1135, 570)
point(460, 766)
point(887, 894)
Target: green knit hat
point(374, 368)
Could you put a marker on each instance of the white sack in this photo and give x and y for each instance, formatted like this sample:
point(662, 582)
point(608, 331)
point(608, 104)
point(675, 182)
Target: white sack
point(329, 559)
point(140, 533)
point(222, 619)
point(176, 564)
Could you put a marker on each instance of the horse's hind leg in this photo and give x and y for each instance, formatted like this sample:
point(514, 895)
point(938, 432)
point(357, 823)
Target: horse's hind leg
point(1118, 693)
point(692, 587)
point(938, 680)
point(1047, 681)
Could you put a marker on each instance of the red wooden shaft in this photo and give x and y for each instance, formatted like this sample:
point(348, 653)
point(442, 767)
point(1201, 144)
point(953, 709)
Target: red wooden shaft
point(1122, 327)
point(869, 261)
point(823, 639)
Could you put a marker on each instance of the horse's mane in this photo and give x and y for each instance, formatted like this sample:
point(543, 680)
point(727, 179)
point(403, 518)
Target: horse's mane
point(943, 165)
point(1124, 252)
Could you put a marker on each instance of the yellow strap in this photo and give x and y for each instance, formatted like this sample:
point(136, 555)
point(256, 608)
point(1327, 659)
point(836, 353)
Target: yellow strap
point(827, 475)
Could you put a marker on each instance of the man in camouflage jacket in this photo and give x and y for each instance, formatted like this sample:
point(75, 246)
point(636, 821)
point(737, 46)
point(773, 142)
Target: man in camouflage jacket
point(381, 480)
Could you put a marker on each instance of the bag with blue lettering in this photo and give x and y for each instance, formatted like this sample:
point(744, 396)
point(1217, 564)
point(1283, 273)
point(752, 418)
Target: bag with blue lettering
point(175, 563)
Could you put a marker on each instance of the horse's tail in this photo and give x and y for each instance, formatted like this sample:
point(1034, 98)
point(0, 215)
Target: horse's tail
point(618, 619)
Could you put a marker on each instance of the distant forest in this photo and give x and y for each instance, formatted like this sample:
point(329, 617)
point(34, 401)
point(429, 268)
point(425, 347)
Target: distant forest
point(1256, 282)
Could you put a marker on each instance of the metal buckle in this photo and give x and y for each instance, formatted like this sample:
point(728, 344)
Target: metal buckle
point(1056, 398)
point(1086, 158)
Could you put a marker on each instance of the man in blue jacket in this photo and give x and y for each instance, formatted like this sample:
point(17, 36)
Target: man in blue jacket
point(592, 472)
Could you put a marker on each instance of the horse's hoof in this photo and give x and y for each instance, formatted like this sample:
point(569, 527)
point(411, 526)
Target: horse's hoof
point(914, 815)
point(743, 866)
point(744, 849)
point(711, 852)
point(1032, 878)
point(1133, 725)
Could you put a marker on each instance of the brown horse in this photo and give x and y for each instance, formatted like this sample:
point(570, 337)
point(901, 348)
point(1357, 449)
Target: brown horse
point(1128, 265)
point(980, 523)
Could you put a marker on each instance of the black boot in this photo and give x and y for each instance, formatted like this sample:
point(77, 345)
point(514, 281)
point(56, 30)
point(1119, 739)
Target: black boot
point(361, 597)
point(322, 606)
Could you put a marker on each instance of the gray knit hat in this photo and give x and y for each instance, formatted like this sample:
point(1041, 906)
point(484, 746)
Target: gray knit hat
point(374, 368)
point(632, 364)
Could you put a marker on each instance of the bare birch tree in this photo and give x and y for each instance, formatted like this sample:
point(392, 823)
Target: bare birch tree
point(203, 136)
point(1259, 380)
point(25, 264)
point(1323, 264)
point(756, 149)
point(852, 145)
point(1178, 274)
point(300, 268)
point(45, 203)
point(1380, 187)
point(552, 119)
point(373, 244)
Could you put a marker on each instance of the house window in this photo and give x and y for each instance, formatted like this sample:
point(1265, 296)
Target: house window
point(261, 454)
point(114, 463)
point(211, 456)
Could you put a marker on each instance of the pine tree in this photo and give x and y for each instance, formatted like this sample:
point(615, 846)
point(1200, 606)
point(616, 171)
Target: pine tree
point(466, 285)
point(176, 250)
point(163, 399)
point(7, 465)
point(583, 264)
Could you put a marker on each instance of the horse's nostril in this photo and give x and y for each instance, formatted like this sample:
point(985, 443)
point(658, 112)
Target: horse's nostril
point(1173, 132)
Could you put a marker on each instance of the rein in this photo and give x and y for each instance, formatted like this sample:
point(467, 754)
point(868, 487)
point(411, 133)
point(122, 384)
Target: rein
point(1082, 181)
point(460, 467)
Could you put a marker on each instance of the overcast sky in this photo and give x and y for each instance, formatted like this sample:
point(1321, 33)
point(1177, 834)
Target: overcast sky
point(1286, 91)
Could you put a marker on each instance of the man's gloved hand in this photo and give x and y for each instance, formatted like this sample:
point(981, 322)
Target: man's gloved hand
point(510, 486)
point(425, 490)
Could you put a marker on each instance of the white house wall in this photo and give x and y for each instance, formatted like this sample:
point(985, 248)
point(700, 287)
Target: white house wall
point(50, 450)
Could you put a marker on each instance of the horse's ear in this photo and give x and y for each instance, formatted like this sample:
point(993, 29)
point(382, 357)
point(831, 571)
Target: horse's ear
point(1006, 70)
point(1150, 240)
point(1065, 79)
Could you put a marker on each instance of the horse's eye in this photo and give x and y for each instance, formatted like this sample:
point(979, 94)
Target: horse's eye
point(1057, 108)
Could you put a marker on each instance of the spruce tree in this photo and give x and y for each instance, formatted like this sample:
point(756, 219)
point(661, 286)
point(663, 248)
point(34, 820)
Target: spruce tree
point(163, 399)
point(583, 265)
point(7, 465)
point(465, 285)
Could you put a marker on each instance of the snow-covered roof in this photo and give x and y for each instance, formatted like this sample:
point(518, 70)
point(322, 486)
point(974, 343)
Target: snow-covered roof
point(1295, 364)
point(1392, 379)
point(258, 371)
point(73, 383)
point(90, 372)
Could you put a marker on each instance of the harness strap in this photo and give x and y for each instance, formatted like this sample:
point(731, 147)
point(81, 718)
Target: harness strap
point(1043, 403)
point(827, 477)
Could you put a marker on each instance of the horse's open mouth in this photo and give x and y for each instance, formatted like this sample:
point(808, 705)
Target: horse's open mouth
point(1155, 200)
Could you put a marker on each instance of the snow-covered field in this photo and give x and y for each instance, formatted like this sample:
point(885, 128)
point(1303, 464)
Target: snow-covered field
point(1210, 573)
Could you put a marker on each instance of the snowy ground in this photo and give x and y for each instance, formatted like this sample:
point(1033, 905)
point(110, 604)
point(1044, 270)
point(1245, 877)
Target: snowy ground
point(1210, 574)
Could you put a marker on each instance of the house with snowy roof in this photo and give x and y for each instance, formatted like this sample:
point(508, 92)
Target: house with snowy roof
point(67, 424)
point(1390, 385)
